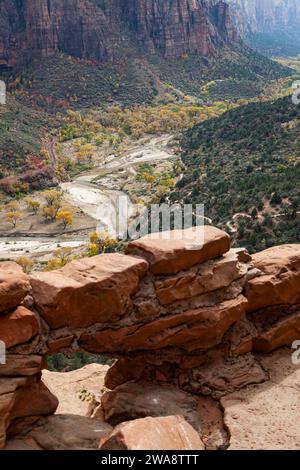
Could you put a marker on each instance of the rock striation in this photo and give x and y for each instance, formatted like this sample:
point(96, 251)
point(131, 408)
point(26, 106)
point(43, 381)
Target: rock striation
point(103, 31)
point(184, 318)
point(264, 16)
point(274, 298)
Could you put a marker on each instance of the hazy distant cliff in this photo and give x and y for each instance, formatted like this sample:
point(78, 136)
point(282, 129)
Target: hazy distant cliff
point(270, 25)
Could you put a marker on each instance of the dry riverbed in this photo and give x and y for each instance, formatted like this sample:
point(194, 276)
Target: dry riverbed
point(94, 197)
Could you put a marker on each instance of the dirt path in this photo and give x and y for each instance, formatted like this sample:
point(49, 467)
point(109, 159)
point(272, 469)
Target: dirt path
point(51, 151)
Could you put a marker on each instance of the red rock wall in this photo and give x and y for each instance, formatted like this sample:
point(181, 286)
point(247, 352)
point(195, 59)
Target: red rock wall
point(175, 312)
point(102, 30)
point(23, 397)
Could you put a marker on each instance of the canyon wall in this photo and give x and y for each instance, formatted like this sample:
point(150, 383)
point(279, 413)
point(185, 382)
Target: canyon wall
point(265, 15)
point(102, 30)
point(184, 317)
point(271, 26)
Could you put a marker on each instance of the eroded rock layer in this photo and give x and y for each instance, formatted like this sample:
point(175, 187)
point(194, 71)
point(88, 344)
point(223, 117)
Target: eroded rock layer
point(103, 30)
point(184, 319)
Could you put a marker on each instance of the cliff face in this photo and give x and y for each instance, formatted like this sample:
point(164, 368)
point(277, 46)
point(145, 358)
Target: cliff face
point(100, 29)
point(266, 15)
point(268, 23)
point(76, 27)
point(177, 27)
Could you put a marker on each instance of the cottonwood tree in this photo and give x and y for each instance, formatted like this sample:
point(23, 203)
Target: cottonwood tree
point(101, 243)
point(62, 257)
point(12, 206)
point(32, 205)
point(13, 217)
point(49, 213)
point(85, 152)
point(52, 196)
point(65, 216)
point(26, 263)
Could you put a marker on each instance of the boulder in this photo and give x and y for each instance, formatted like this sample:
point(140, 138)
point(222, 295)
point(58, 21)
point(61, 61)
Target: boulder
point(123, 370)
point(174, 251)
point(197, 329)
point(61, 432)
point(56, 345)
point(88, 291)
point(134, 400)
point(209, 299)
point(209, 276)
point(22, 443)
point(18, 365)
point(8, 389)
point(14, 285)
point(22, 398)
point(276, 327)
point(43, 404)
point(162, 433)
point(18, 327)
point(222, 375)
point(279, 282)
point(69, 432)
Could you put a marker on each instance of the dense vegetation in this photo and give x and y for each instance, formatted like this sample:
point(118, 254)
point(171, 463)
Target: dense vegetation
point(58, 83)
point(62, 81)
point(246, 162)
point(239, 72)
point(115, 123)
point(22, 130)
point(62, 363)
point(98, 106)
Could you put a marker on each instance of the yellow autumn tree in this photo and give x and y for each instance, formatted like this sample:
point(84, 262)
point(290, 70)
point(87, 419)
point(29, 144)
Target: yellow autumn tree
point(13, 217)
point(85, 152)
point(52, 196)
point(32, 205)
point(62, 257)
point(49, 213)
point(65, 216)
point(101, 243)
point(25, 263)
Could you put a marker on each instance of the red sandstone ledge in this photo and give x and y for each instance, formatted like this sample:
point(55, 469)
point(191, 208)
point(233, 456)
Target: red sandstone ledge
point(172, 252)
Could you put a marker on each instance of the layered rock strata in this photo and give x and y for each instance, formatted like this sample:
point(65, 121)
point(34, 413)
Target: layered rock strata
point(102, 31)
point(184, 318)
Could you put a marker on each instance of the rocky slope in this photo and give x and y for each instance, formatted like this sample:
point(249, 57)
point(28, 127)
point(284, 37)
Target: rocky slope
point(101, 30)
point(187, 318)
point(272, 26)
